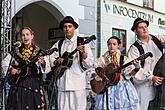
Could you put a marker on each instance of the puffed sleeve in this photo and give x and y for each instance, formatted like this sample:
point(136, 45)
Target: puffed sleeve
point(161, 38)
point(142, 74)
point(89, 61)
point(54, 55)
point(129, 70)
point(47, 68)
point(5, 63)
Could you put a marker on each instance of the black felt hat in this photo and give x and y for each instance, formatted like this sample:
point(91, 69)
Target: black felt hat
point(68, 19)
point(137, 21)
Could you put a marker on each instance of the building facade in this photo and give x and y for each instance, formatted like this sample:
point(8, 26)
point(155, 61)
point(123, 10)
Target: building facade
point(43, 16)
point(102, 18)
point(116, 18)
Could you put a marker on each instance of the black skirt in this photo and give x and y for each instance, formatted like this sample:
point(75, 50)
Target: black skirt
point(27, 95)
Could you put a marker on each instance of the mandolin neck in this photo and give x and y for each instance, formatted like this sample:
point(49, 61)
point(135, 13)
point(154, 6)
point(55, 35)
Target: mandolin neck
point(142, 57)
point(123, 66)
point(73, 52)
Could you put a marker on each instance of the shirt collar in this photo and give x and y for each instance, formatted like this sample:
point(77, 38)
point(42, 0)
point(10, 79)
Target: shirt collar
point(71, 40)
point(140, 42)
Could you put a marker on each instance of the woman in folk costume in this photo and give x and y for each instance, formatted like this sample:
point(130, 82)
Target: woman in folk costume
point(121, 96)
point(27, 92)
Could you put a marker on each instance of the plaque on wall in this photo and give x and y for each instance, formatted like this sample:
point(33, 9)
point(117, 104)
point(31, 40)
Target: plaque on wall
point(55, 33)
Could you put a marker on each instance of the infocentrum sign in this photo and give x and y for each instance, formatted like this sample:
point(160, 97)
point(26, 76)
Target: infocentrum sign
point(126, 11)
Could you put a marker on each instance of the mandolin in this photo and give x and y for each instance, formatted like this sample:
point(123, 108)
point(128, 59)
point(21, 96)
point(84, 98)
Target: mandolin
point(68, 59)
point(23, 71)
point(110, 75)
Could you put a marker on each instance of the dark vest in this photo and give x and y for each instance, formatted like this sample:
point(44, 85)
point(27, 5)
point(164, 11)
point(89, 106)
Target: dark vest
point(141, 50)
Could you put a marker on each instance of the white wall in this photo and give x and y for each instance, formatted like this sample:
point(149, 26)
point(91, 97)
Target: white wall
point(159, 5)
point(136, 2)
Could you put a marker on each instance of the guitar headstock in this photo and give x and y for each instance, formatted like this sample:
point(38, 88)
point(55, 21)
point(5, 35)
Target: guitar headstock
point(89, 39)
point(50, 51)
point(144, 56)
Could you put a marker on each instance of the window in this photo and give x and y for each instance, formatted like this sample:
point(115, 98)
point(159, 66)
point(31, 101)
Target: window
point(122, 36)
point(148, 4)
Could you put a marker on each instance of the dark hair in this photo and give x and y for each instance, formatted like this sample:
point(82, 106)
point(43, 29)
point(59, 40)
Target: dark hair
point(28, 28)
point(114, 37)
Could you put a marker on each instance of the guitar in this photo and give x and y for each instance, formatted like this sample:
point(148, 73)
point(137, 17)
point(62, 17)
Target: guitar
point(23, 71)
point(112, 76)
point(158, 103)
point(68, 59)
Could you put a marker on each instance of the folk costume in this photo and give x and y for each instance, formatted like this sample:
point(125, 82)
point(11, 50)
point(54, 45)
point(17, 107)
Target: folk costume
point(143, 78)
point(71, 86)
point(27, 93)
point(121, 96)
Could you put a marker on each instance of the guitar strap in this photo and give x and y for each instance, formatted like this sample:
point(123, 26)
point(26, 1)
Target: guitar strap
point(59, 46)
point(121, 60)
point(79, 40)
point(141, 50)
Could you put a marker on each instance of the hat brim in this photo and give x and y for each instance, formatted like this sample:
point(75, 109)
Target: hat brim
point(68, 21)
point(141, 21)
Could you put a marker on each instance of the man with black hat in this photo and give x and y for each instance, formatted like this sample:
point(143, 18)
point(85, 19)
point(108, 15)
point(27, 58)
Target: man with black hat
point(71, 84)
point(145, 80)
